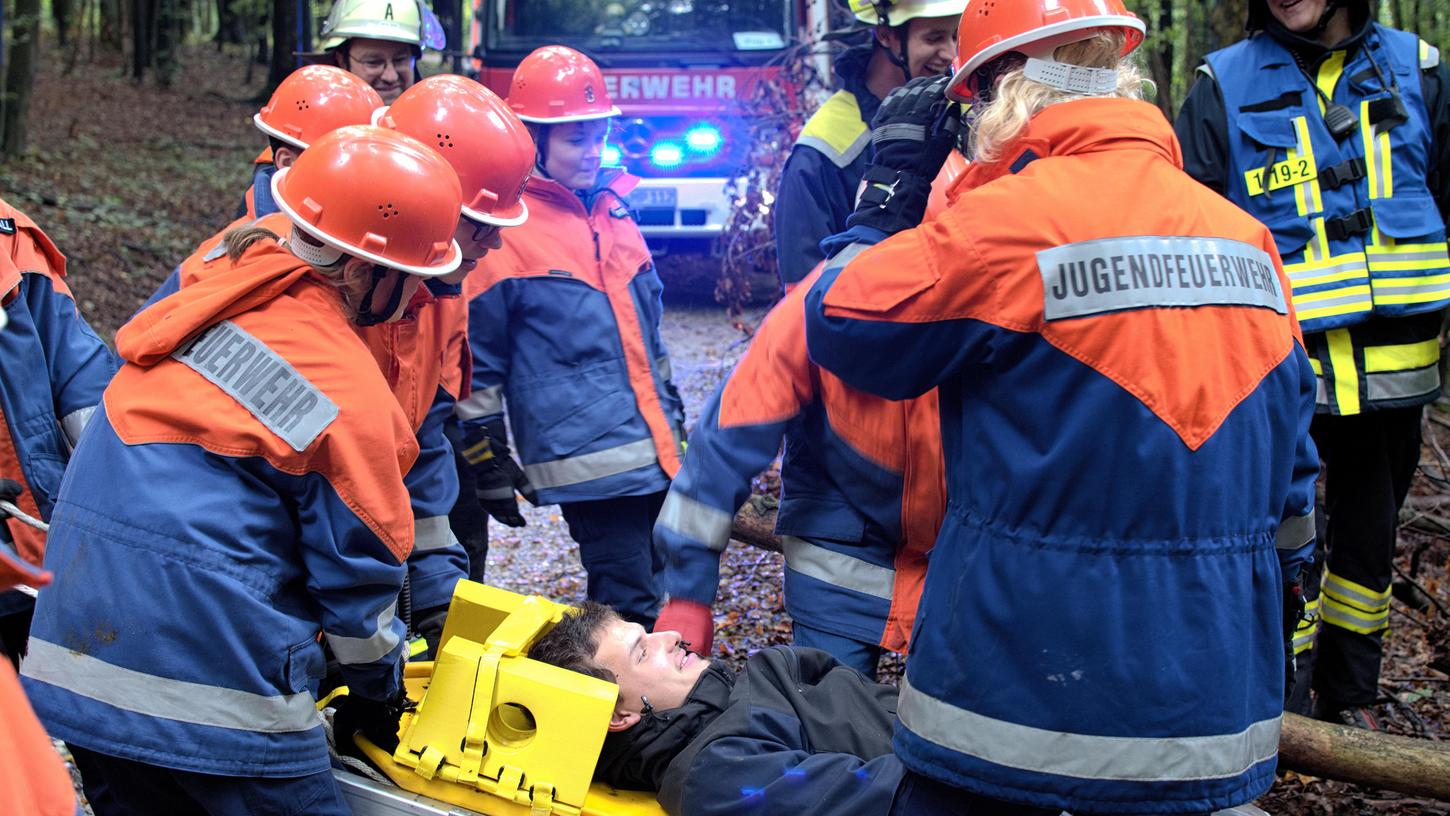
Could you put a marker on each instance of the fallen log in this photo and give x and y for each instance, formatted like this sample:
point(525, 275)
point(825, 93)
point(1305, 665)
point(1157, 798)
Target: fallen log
point(1376, 760)
point(755, 524)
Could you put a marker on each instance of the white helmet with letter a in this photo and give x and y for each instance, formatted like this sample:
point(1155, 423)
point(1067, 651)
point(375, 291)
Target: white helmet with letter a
point(405, 21)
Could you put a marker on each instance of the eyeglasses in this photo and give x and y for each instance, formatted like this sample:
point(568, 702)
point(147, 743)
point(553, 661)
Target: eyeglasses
point(377, 65)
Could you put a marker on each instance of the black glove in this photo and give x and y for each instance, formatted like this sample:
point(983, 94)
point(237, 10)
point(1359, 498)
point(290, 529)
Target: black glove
point(914, 131)
point(10, 490)
point(497, 477)
point(429, 626)
point(1293, 613)
point(377, 720)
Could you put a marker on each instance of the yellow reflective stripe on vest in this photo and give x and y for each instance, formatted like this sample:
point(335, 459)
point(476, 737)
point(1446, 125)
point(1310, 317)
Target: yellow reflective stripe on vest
point(1308, 628)
point(1086, 756)
point(1389, 256)
point(1424, 289)
point(1345, 373)
point(1354, 606)
point(1313, 272)
point(1348, 300)
point(1378, 172)
point(1306, 192)
point(1401, 357)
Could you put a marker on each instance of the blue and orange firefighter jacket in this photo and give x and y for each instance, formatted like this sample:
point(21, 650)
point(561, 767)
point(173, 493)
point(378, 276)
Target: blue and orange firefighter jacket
point(563, 328)
point(820, 180)
point(1358, 217)
point(423, 357)
point(240, 495)
point(53, 369)
point(862, 487)
point(1125, 412)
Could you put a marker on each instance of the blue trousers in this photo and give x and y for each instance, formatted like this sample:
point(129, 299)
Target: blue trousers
point(124, 787)
point(857, 654)
point(616, 545)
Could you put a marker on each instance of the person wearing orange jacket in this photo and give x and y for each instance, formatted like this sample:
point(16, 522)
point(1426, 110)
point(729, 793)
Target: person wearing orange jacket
point(1125, 403)
point(564, 329)
point(53, 369)
point(240, 499)
point(862, 492)
point(33, 780)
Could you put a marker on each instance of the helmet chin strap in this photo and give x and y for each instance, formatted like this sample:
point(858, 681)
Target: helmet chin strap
point(365, 314)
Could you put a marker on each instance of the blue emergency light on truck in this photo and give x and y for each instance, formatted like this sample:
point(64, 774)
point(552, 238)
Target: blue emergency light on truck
point(679, 70)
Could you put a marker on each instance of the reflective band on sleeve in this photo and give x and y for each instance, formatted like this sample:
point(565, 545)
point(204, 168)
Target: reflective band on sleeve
point(1113, 274)
point(1397, 385)
point(696, 520)
point(481, 403)
point(589, 466)
point(838, 569)
point(262, 382)
point(75, 422)
point(845, 256)
point(1402, 356)
point(840, 158)
point(480, 452)
point(355, 651)
point(432, 533)
point(495, 493)
point(1295, 532)
point(1086, 756)
point(1429, 56)
point(1353, 606)
point(153, 696)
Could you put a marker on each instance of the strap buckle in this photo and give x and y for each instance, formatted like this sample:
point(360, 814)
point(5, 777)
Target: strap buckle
point(881, 185)
point(1356, 223)
point(1343, 173)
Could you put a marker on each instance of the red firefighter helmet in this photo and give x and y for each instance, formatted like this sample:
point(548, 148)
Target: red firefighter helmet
point(489, 148)
point(1035, 28)
point(559, 84)
point(314, 100)
point(376, 194)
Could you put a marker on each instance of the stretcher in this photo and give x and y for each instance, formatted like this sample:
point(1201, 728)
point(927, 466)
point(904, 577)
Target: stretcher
point(494, 732)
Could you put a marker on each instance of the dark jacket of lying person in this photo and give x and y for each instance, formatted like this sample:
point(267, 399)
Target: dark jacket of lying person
point(794, 732)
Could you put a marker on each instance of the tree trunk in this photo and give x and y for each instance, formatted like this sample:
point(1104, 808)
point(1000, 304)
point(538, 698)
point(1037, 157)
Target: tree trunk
point(169, 28)
point(20, 73)
point(1413, 766)
point(284, 41)
point(112, 28)
point(143, 36)
point(60, 10)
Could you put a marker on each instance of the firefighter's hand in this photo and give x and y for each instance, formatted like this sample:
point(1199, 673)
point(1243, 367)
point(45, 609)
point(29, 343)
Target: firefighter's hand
point(375, 719)
point(693, 620)
point(913, 133)
point(916, 128)
point(10, 490)
point(495, 487)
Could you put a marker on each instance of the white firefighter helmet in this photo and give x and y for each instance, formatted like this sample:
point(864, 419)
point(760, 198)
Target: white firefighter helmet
point(405, 21)
point(896, 12)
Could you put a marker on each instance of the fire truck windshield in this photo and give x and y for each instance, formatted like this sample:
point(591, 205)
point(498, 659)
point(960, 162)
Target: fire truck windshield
point(641, 25)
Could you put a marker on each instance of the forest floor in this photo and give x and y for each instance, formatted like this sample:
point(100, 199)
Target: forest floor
point(127, 179)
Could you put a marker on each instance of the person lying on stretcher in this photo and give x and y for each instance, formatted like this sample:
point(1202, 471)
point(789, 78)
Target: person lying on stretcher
point(794, 732)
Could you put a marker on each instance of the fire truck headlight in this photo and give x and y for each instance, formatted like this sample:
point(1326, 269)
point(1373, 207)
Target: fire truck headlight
point(704, 138)
point(666, 155)
point(610, 156)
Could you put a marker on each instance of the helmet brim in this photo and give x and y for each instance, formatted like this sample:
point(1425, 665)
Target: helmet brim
point(455, 257)
point(507, 217)
point(277, 134)
point(576, 117)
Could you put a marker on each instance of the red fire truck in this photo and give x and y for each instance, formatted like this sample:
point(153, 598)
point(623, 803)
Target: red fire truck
point(678, 69)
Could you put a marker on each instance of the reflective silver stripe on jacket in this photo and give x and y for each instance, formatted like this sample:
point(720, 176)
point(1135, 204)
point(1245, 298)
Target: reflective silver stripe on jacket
point(696, 520)
point(432, 533)
point(1086, 756)
point(842, 159)
point(75, 422)
point(1299, 276)
point(1391, 385)
point(838, 569)
point(1295, 532)
point(481, 403)
point(180, 700)
point(663, 368)
point(847, 255)
point(354, 651)
point(589, 466)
